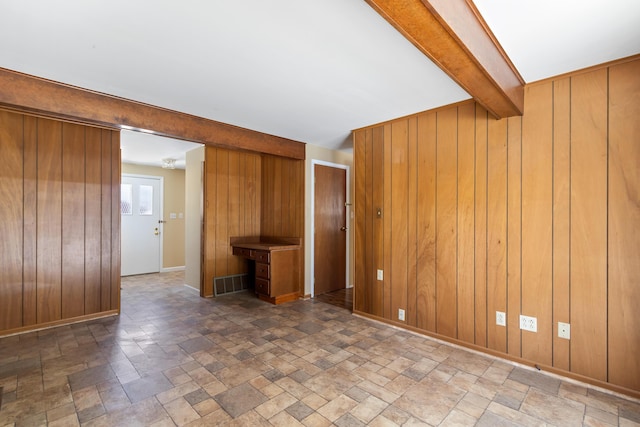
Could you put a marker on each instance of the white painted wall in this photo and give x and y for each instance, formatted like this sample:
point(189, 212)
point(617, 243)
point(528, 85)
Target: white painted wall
point(193, 216)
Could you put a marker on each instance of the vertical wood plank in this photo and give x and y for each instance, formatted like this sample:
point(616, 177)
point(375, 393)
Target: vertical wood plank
point(257, 213)
point(30, 304)
point(386, 219)
point(589, 224)
point(514, 234)
point(624, 225)
point(11, 225)
point(73, 220)
point(222, 213)
point(481, 226)
point(537, 220)
point(93, 217)
point(49, 238)
point(466, 204)
point(373, 290)
point(561, 201)
point(446, 222)
point(426, 223)
point(115, 219)
point(399, 208)
point(233, 209)
point(496, 232)
point(286, 219)
point(412, 204)
point(377, 181)
point(210, 227)
point(106, 212)
point(360, 211)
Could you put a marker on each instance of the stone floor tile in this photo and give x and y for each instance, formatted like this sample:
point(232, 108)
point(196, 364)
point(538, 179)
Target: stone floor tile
point(348, 420)
point(337, 407)
point(171, 347)
point(180, 411)
point(551, 408)
point(146, 387)
point(240, 399)
point(536, 379)
point(70, 420)
point(316, 420)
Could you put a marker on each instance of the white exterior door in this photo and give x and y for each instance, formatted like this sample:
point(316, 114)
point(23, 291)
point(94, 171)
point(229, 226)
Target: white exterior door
point(141, 224)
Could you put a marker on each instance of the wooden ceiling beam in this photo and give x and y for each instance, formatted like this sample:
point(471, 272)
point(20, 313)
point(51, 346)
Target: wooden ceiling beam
point(454, 36)
point(33, 94)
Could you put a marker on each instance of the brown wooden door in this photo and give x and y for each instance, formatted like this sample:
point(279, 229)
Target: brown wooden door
point(330, 222)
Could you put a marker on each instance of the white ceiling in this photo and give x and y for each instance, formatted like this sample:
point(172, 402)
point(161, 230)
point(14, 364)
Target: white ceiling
point(308, 70)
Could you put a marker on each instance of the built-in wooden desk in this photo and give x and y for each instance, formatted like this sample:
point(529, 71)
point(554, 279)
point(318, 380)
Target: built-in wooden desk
point(277, 265)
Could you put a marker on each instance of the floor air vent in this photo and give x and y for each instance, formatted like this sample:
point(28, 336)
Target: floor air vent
point(230, 284)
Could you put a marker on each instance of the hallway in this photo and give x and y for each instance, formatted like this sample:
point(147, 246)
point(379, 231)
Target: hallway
point(173, 358)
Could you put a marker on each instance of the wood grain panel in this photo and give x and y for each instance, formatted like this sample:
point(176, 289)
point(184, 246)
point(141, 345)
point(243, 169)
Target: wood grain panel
point(377, 238)
point(426, 223)
point(537, 221)
point(115, 220)
point(399, 208)
point(73, 223)
point(93, 217)
point(222, 213)
point(466, 205)
point(561, 224)
point(11, 226)
point(49, 238)
point(360, 210)
point(235, 264)
point(386, 221)
point(496, 232)
point(210, 225)
point(67, 102)
point(624, 225)
point(514, 234)
point(373, 298)
point(446, 222)
point(481, 226)
point(589, 224)
point(106, 213)
point(30, 186)
point(412, 199)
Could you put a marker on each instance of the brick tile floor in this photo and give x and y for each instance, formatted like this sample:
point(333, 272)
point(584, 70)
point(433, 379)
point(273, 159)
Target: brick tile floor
point(173, 358)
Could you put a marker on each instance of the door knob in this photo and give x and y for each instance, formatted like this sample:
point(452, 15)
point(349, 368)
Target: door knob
point(156, 232)
point(343, 228)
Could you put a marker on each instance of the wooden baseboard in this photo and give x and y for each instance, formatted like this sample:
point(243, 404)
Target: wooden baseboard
point(280, 299)
point(61, 322)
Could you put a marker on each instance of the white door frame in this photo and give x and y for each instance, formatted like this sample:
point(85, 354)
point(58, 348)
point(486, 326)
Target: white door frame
point(347, 168)
point(161, 211)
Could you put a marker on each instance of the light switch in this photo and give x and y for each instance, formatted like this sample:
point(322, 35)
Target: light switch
point(172, 215)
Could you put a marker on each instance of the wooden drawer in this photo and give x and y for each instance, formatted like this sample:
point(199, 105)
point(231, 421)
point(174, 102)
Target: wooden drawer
point(262, 256)
point(247, 253)
point(262, 287)
point(262, 270)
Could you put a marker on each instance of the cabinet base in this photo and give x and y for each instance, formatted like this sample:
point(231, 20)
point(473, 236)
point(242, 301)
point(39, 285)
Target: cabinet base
point(280, 298)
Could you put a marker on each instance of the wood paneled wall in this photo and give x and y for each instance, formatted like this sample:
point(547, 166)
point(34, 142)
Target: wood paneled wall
point(60, 228)
point(536, 215)
point(248, 194)
point(282, 202)
point(232, 208)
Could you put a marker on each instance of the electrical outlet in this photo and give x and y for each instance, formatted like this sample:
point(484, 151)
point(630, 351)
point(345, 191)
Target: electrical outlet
point(564, 330)
point(501, 318)
point(401, 314)
point(380, 275)
point(528, 323)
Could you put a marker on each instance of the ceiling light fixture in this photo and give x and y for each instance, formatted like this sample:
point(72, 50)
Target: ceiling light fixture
point(169, 163)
